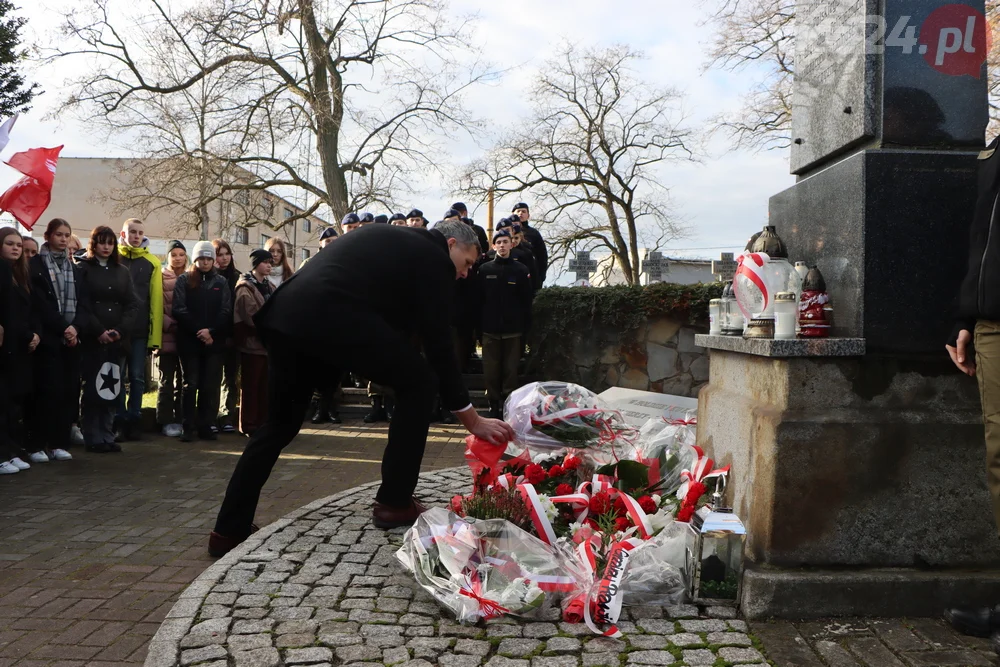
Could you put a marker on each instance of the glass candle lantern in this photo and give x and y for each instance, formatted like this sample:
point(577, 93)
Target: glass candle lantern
point(732, 316)
point(762, 275)
point(786, 315)
point(715, 317)
point(714, 558)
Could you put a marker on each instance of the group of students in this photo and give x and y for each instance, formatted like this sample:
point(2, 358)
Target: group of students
point(492, 306)
point(77, 325)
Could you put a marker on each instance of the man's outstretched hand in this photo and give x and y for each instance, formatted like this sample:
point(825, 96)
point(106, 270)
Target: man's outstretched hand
point(494, 431)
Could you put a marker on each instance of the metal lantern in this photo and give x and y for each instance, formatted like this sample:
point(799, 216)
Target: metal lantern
point(715, 557)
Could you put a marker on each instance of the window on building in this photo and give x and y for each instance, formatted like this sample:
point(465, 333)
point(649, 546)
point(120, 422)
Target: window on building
point(307, 226)
point(242, 197)
point(242, 235)
point(305, 254)
point(264, 238)
point(289, 213)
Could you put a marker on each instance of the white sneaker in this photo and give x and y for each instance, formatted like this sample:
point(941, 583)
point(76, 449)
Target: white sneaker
point(38, 457)
point(173, 430)
point(19, 464)
point(61, 455)
point(76, 436)
point(8, 468)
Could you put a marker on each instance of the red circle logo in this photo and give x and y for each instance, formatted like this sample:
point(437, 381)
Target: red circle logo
point(955, 40)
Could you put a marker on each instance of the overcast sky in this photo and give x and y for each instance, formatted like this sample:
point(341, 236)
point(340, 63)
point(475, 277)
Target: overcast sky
point(723, 199)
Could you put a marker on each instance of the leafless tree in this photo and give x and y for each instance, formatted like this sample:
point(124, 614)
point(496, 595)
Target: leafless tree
point(370, 85)
point(589, 154)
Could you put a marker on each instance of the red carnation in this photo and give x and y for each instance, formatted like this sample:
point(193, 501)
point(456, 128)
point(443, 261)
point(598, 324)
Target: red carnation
point(571, 463)
point(620, 506)
point(556, 471)
point(647, 504)
point(685, 513)
point(695, 491)
point(456, 504)
point(622, 524)
point(592, 524)
point(534, 474)
point(564, 490)
point(600, 503)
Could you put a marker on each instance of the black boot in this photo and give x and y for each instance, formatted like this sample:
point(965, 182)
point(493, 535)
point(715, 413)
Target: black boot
point(378, 411)
point(390, 406)
point(320, 416)
point(447, 417)
point(335, 418)
point(974, 621)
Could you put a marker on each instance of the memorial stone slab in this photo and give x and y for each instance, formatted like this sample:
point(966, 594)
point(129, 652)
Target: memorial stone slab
point(583, 265)
point(725, 267)
point(654, 266)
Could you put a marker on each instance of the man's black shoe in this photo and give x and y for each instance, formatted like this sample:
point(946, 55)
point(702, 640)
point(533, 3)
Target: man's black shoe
point(207, 434)
point(133, 430)
point(320, 417)
point(98, 448)
point(335, 418)
point(386, 517)
point(378, 412)
point(974, 621)
point(114, 447)
point(187, 435)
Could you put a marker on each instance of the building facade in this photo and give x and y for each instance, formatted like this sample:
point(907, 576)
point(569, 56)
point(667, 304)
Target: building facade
point(681, 271)
point(87, 191)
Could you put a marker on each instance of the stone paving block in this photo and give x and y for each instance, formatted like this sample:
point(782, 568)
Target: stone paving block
point(364, 616)
point(698, 657)
point(785, 646)
point(428, 647)
point(257, 613)
point(657, 626)
point(249, 642)
point(741, 655)
point(683, 611)
point(635, 613)
point(556, 661)
point(500, 661)
point(395, 656)
point(738, 626)
point(659, 658)
point(472, 647)
point(420, 631)
point(604, 644)
point(395, 605)
point(562, 645)
point(504, 630)
point(202, 654)
point(834, 629)
point(335, 640)
point(704, 625)
point(291, 613)
point(303, 656)
point(450, 629)
point(459, 661)
point(685, 640)
point(581, 629)
point(295, 641)
point(936, 633)
point(518, 648)
point(415, 619)
point(658, 642)
point(198, 640)
point(296, 627)
point(872, 653)
point(540, 630)
point(212, 626)
point(833, 653)
point(949, 658)
point(330, 615)
point(263, 657)
point(721, 611)
point(358, 653)
point(728, 639)
point(601, 660)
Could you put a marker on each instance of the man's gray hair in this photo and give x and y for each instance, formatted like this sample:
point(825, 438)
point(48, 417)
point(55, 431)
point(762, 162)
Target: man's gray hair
point(461, 232)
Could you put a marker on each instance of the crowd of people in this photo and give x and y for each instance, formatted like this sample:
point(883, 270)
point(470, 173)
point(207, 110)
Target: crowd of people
point(78, 324)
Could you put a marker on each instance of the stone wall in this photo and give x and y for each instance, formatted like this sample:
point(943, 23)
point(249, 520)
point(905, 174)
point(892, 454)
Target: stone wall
point(659, 356)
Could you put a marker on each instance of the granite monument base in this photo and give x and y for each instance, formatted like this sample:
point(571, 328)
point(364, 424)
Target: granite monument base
point(889, 230)
point(852, 465)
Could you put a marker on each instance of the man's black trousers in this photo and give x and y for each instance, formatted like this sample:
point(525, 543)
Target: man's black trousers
point(373, 350)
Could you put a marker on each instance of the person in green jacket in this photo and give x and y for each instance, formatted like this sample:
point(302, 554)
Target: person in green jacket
point(147, 329)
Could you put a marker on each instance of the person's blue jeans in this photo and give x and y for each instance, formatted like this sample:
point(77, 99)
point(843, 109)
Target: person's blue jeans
point(135, 368)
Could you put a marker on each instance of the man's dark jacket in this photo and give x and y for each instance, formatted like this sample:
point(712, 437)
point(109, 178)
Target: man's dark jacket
point(403, 275)
point(541, 253)
point(979, 297)
point(506, 295)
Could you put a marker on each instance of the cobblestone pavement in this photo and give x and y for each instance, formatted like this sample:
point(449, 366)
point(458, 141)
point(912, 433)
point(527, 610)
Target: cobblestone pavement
point(95, 551)
point(323, 586)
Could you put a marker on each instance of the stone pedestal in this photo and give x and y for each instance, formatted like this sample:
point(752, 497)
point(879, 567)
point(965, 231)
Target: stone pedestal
point(860, 479)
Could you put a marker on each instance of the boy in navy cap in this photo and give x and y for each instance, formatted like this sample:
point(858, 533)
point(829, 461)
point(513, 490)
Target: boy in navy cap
point(415, 218)
point(350, 222)
point(532, 236)
point(505, 291)
point(381, 219)
point(397, 220)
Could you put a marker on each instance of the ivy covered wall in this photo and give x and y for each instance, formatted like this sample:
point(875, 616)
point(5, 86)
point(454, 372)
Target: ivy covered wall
point(635, 337)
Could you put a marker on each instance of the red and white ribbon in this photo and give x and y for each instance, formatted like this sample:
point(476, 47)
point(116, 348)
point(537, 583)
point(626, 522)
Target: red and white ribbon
point(752, 265)
point(699, 472)
point(542, 525)
point(608, 602)
point(474, 589)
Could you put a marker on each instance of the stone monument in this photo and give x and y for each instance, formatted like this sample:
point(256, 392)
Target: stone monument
point(858, 461)
point(654, 266)
point(582, 265)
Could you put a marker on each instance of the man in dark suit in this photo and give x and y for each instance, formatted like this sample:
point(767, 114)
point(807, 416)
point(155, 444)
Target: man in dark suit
point(358, 306)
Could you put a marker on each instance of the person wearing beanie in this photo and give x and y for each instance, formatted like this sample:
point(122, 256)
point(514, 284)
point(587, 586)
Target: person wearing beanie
point(203, 308)
point(505, 295)
point(252, 290)
point(147, 328)
point(170, 395)
point(350, 222)
point(397, 219)
point(382, 292)
point(537, 243)
point(381, 219)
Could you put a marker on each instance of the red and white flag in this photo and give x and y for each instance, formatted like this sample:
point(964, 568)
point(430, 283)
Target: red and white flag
point(5, 131)
point(27, 199)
